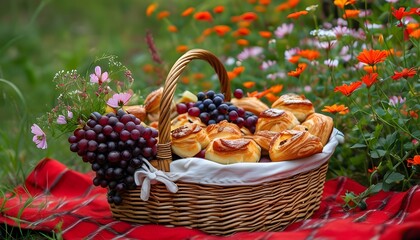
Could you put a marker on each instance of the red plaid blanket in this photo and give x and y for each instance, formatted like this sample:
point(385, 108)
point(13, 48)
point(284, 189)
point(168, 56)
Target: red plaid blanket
point(55, 197)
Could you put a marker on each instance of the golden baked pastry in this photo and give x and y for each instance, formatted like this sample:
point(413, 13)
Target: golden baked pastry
point(297, 104)
point(276, 120)
point(152, 101)
point(251, 104)
point(292, 144)
point(319, 125)
point(223, 129)
point(263, 139)
point(228, 151)
point(189, 140)
point(137, 110)
point(183, 119)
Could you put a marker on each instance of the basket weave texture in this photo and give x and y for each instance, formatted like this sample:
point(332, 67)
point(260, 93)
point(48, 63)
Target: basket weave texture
point(220, 210)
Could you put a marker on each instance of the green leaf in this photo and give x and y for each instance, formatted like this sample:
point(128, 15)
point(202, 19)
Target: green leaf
point(393, 177)
point(358, 145)
point(377, 153)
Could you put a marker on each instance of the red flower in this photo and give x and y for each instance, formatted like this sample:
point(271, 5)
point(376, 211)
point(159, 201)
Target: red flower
point(369, 79)
point(298, 71)
point(347, 90)
point(413, 161)
point(405, 73)
point(203, 16)
point(296, 15)
point(372, 57)
point(249, 16)
point(400, 13)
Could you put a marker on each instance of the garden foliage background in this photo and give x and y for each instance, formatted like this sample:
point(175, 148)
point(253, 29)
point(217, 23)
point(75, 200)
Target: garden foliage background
point(266, 50)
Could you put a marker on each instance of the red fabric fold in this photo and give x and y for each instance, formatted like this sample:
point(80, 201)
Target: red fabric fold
point(55, 198)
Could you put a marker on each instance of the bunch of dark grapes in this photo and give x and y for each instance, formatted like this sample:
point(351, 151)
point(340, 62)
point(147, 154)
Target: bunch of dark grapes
point(116, 145)
point(211, 108)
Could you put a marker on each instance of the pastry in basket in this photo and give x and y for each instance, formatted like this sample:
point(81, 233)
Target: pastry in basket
point(189, 140)
point(297, 104)
point(223, 129)
point(137, 110)
point(227, 151)
point(276, 120)
point(263, 139)
point(251, 104)
point(319, 125)
point(183, 119)
point(293, 144)
point(152, 105)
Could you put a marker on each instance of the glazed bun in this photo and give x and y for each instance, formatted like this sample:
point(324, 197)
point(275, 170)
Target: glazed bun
point(223, 129)
point(276, 120)
point(185, 118)
point(189, 140)
point(292, 144)
point(250, 104)
point(297, 104)
point(319, 125)
point(228, 151)
point(263, 139)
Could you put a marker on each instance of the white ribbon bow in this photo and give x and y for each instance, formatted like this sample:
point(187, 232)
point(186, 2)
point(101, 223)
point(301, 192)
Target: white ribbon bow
point(148, 175)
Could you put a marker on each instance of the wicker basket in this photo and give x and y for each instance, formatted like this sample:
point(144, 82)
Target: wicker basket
point(220, 210)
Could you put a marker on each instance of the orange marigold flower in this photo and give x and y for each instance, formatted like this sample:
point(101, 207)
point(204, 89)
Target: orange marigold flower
point(242, 42)
point(188, 11)
point(340, 109)
point(371, 170)
point(405, 73)
point(198, 76)
point(296, 15)
point(259, 94)
point(264, 2)
point(219, 9)
point(369, 79)
point(294, 59)
point(244, 24)
point(172, 28)
point(300, 68)
point(281, 7)
point(238, 70)
point(163, 14)
point(231, 75)
point(203, 16)
point(150, 9)
point(351, 13)
point(276, 88)
point(148, 68)
point(413, 161)
point(185, 79)
point(249, 16)
point(372, 57)
point(248, 84)
point(221, 30)
point(265, 34)
point(292, 3)
point(342, 3)
point(370, 69)
point(271, 97)
point(182, 48)
point(415, 34)
point(242, 31)
point(309, 54)
point(347, 90)
point(207, 31)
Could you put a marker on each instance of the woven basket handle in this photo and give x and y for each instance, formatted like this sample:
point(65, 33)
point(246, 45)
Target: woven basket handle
point(164, 153)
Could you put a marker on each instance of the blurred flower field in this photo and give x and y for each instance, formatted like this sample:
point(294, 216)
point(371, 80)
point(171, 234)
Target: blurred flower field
point(357, 61)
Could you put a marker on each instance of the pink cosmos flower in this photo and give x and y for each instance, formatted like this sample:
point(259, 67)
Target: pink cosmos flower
point(283, 30)
point(62, 119)
point(251, 52)
point(396, 100)
point(99, 77)
point(40, 139)
point(119, 100)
